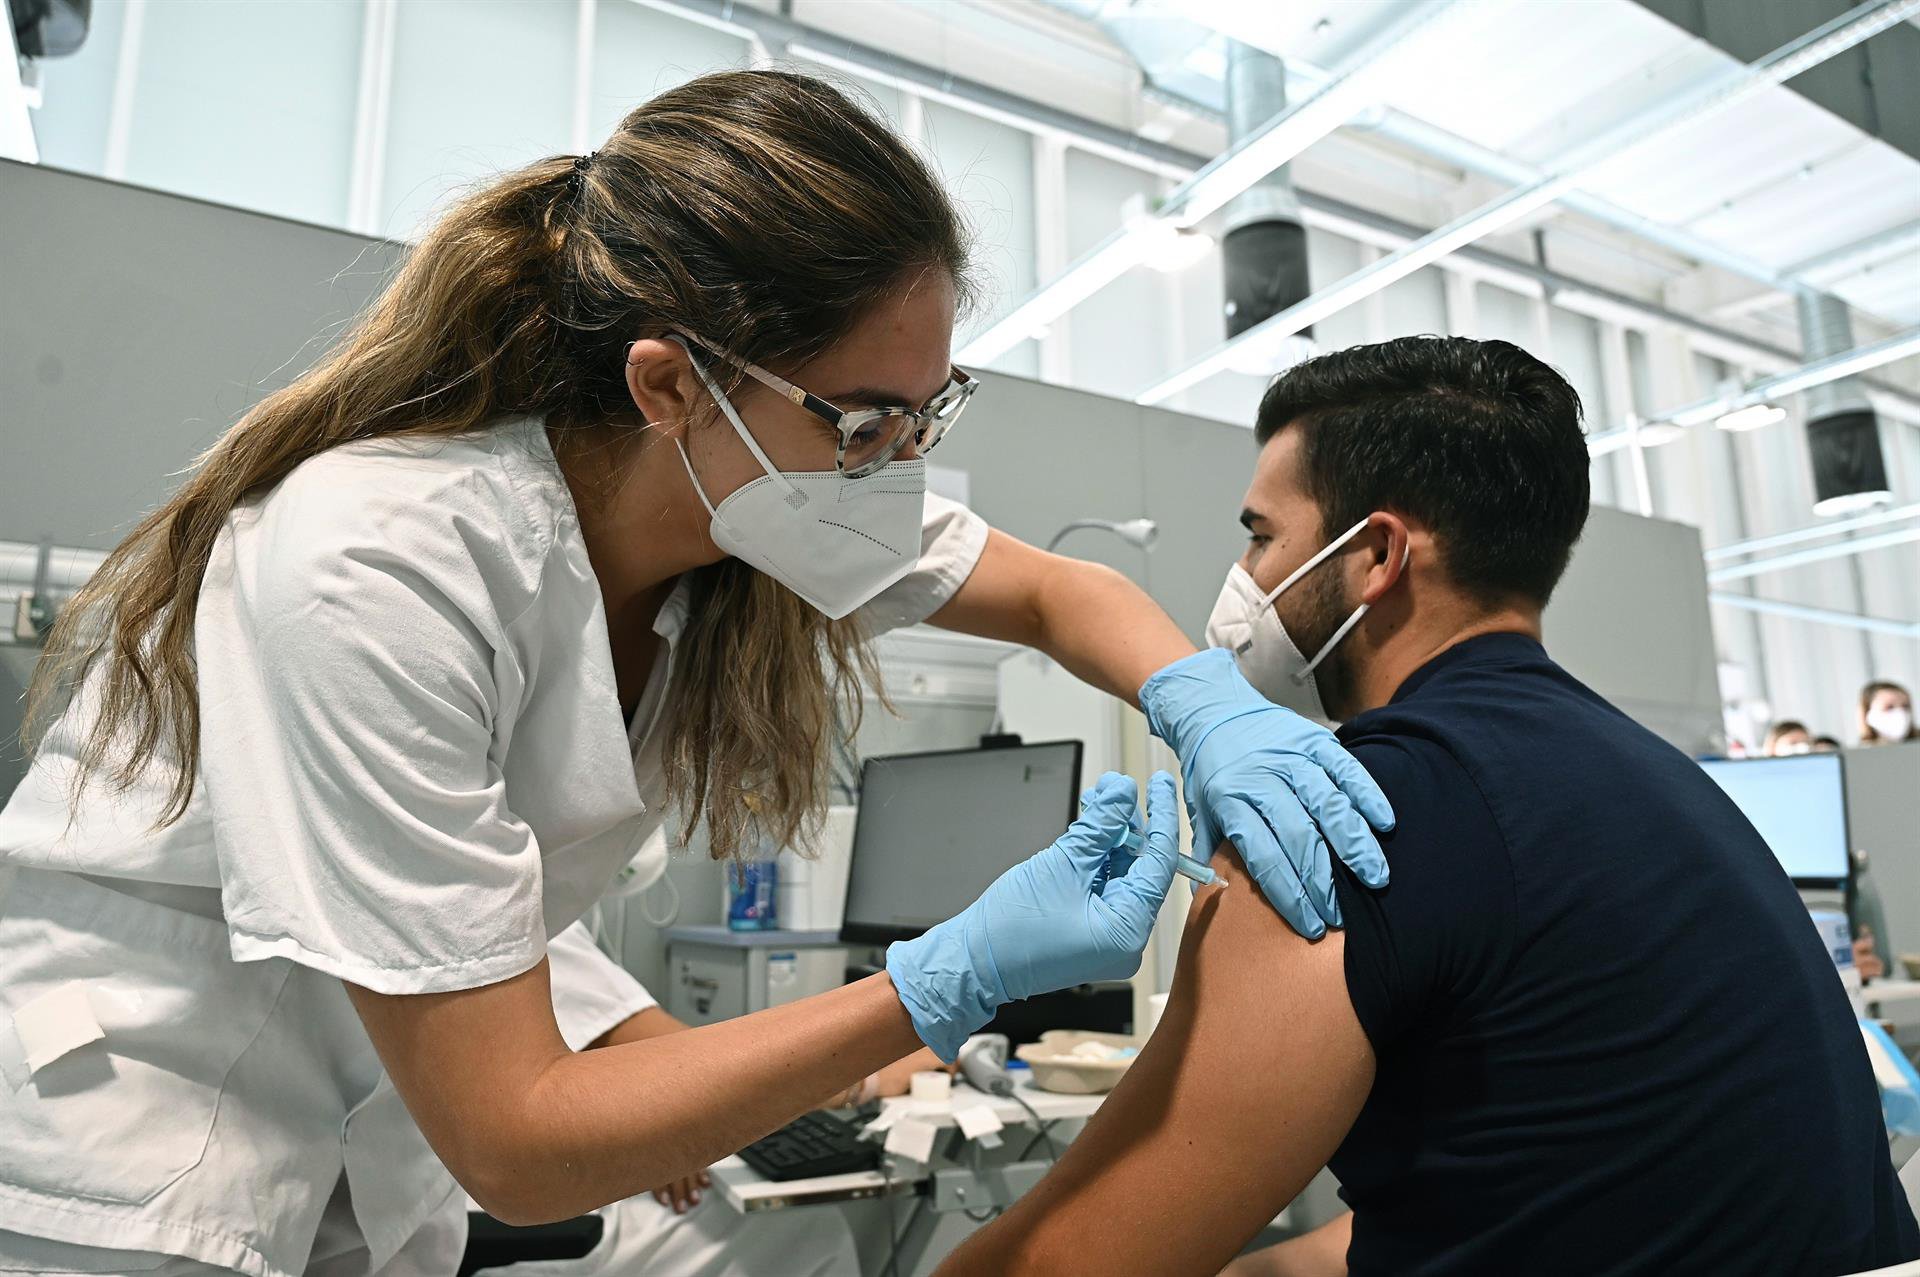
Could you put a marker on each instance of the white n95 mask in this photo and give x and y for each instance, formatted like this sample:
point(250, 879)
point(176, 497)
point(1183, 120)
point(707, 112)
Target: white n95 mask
point(834, 541)
point(1245, 623)
point(1891, 722)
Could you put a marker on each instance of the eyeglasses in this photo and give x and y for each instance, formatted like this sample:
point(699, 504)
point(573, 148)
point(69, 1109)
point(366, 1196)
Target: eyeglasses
point(869, 437)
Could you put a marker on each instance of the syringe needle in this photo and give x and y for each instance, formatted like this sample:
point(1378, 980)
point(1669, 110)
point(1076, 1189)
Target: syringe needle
point(1187, 867)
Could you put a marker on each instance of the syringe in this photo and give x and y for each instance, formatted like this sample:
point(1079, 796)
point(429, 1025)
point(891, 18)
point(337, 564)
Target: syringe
point(1187, 867)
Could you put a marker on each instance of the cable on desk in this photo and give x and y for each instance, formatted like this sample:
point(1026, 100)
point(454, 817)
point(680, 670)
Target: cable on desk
point(977, 1155)
point(1044, 1130)
point(1044, 1133)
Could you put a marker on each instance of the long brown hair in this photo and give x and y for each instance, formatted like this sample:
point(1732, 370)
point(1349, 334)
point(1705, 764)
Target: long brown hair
point(762, 208)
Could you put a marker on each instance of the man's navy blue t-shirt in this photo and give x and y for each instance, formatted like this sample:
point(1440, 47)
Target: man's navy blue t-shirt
point(1608, 1037)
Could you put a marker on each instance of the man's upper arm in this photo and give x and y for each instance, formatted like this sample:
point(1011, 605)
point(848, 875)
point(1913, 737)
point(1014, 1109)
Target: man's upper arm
point(1252, 1079)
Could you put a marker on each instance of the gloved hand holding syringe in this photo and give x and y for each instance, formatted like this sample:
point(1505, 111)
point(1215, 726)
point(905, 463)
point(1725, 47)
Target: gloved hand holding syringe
point(1186, 866)
point(1134, 840)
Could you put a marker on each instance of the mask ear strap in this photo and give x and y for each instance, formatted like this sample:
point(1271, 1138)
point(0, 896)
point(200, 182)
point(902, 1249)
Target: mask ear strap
point(1325, 552)
point(727, 410)
point(1346, 627)
point(698, 491)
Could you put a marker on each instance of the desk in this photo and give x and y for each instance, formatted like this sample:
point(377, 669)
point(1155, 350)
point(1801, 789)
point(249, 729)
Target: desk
point(944, 1187)
point(716, 974)
point(1885, 992)
point(1895, 1001)
point(747, 1191)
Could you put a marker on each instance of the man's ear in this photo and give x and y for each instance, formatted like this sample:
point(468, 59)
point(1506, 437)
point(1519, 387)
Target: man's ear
point(661, 382)
point(1387, 539)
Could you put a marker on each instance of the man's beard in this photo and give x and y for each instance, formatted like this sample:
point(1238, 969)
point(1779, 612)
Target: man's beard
point(1319, 606)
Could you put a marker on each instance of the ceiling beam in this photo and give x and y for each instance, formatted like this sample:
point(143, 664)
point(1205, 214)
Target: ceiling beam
point(1817, 554)
point(1782, 385)
point(1710, 95)
point(1818, 615)
point(1851, 259)
point(1818, 532)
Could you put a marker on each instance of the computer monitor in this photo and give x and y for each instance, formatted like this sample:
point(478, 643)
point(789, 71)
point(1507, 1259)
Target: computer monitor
point(933, 830)
point(1799, 805)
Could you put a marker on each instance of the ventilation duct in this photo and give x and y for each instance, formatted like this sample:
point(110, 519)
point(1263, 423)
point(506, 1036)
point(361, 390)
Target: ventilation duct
point(1264, 241)
point(1849, 473)
point(1181, 62)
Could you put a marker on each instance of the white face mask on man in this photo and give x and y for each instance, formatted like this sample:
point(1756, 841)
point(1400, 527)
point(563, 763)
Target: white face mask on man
point(834, 541)
point(1245, 623)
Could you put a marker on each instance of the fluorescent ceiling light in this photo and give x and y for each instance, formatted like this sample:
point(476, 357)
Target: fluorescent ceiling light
point(1206, 59)
point(1169, 249)
point(1751, 417)
point(1699, 414)
point(1608, 441)
point(1296, 349)
point(1657, 434)
point(1854, 503)
point(1757, 398)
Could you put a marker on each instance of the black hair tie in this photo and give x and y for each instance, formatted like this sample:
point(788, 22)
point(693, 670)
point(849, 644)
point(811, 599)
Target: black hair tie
point(578, 178)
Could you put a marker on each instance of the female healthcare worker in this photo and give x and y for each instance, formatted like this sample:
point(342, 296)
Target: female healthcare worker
point(416, 660)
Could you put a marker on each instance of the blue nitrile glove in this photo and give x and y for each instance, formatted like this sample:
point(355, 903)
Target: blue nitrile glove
point(1279, 786)
point(1121, 858)
point(1068, 915)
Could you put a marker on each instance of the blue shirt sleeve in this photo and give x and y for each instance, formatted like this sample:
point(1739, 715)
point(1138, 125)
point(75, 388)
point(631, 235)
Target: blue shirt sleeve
point(1426, 950)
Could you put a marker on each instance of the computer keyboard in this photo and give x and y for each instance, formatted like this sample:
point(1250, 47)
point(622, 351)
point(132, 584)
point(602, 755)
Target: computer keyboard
point(812, 1144)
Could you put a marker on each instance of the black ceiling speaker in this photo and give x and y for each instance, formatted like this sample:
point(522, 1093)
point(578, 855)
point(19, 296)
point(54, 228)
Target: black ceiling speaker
point(50, 28)
point(1849, 472)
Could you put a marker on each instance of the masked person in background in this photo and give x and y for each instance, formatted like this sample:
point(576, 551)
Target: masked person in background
point(1886, 714)
point(1786, 738)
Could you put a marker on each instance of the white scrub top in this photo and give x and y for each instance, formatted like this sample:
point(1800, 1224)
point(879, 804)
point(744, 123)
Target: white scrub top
point(414, 775)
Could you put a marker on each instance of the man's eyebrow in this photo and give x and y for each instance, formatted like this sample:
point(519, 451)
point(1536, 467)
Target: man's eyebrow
point(1249, 516)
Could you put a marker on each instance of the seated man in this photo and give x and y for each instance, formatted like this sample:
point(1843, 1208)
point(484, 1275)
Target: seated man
point(1588, 1028)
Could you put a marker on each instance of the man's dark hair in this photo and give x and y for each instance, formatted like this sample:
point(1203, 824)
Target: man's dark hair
point(1477, 439)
